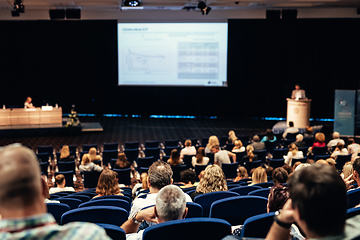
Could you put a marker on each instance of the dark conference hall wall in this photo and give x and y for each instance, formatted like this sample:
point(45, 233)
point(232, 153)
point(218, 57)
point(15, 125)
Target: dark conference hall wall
point(75, 62)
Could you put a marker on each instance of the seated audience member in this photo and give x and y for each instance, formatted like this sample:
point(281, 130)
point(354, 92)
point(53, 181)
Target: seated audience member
point(288, 169)
point(279, 193)
point(159, 175)
point(188, 149)
point(241, 174)
point(87, 165)
point(61, 183)
point(301, 166)
point(347, 170)
point(200, 158)
point(22, 202)
point(299, 141)
point(238, 146)
point(143, 185)
point(108, 184)
point(213, 141)
point(65, 154)
point(232, 137)
point(295, 165)
point(188, 178)
point(213, 181)
point(310, 190)
point(336, 139)
point(174, 159)
point(222, 156)
point(93, 155)
point(122, 162)
point(356, 172)
point(269, 171)
point(339, 150)
point(318, 142)
point(257, 144)
point(308, 132)
point(353, 148)
point(269, 137)
point(170, 204)
point(322, 161)
point(331, 162)
point(249, 157)
point(258, 176)
point(46, 192)
point(293, 153)
point(290, 129)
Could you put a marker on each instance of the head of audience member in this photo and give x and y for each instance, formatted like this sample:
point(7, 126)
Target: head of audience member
point(280, 175)
point(291, 124)
point(319, 137)
point(250, 152)
point(269, 171)
point(242, 173)
point(269, 134)
point(237, 144)
point(347, 169)
point(336, 135)
point(299, 137)
point(293, 148)
point(256, 138)
point(339, 146)
point(259, 175)
point(310, 191)
point(309, 130)
point(213, 140)
point(60, 181)
point(301, 166)
point(356, 170)
point(288, 169)
point(170, 204)
point(188, 177)
point(174, 159)
point(296, 164)
point(188, 143)
point(92, 154)
point(122, 160)
point(22, 190)
point(213, 181)
point(200, 154)
point(331, 162)
point(85, 159)
point(65, 151)
point(108, 183)
point(144, 180)
point(232, 136)
point(322, 161)
point(351, 141)
point(159, 175)
point(215, 149)
point(201, 175)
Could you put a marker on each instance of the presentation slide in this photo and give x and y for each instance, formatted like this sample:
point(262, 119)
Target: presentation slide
point(172, 54)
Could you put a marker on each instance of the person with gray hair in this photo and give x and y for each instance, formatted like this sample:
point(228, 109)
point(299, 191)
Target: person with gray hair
point(159, 176)
point(257, 144)
point(299, 141)
point(22, 201)
point(333, 142)
point(170, 205)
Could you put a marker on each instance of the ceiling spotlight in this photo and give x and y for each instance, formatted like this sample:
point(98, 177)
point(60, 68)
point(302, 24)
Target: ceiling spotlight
point(204, 8)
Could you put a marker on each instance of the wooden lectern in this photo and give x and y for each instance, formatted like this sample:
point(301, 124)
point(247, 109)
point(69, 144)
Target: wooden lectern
point(298, 111)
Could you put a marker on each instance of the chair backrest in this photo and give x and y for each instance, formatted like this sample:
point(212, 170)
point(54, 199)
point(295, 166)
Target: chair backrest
point(107, 202)
point(206, 199)
point(302, 160)
point(152, 144)
point(261, 155)
point(171, 143)
point(341, 160)
point(145, 161)
point(230, 169)
point(304, 150)
point(86, 147)
point(188, 160)
point(318, 157)
point(353, 197)
point(91, 179)
point(113, 231)
point(275, 163)
point(44, 168)
point(292, 136)
point(43, 157)
point(251, 165)
point(131, 145)
point(194, 210)
point(319, 150)
point(236, 210)
point(264, 184)
point(131, 154)
point(190, 229)
point(153, 152)
point(270, 146)
point(204, 141)
point(279, 153)
point(69, 182)
point(57, 210)
point(71, 202)
point(176, 172)
point(46, 149)
point(239, 156)
point(351, 212)
point(113, 197)
point(229, 146)
point(244, 190)
point(211, 157)
point(309, 141)
point(111, 146)
point(257, 226)
point(123, 176)
point(264, 192)
point(199, 168)
point(83, 198)
point(96, 214)
point(108, 155)
point(87, 193)
point(66, 166)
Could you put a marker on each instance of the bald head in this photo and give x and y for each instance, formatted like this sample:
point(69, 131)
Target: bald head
point(20, 184)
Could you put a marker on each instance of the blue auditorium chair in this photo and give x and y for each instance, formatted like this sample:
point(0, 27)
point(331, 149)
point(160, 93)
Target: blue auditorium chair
point(82, 198)
point(123, 176)
point(69, 182)
point(57, 210)
point(86, 147)
point(353, 197)
point(152, 144)
point(111, 146)
point(91, 179)
point(132, 154)
point(113, 197)
point(113, 231)
point(230, 170)
point(132, 145)
point(107, 155)
point(279, 153)
point(194, 210)
point(341, 160)
point(244, 190)
point(66, 166)
point(73, 203)
point(107, 202)
point(264, 192)
point(257, 226)
point(44, 168)
point(275, 163)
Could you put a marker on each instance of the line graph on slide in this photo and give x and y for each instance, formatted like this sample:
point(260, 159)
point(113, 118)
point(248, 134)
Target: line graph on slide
point(149, 60)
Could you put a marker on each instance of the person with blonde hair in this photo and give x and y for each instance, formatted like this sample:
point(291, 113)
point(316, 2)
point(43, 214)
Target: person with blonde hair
point(347, 170)
point(87, 165)
point(188, 149)
point(232, 137)
point(28, 103)
point(108, 184)
point(259, 176)
point(238, 146)
point(200, 158)
point(213, 181)
point(93, 155)
point(241, 174)
point(65, 154)
point(293, 153)
point(213, 141)
point(250, 156)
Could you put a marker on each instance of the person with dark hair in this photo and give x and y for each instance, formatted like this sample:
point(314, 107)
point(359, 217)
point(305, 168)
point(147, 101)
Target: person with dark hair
point(61, 183)
point(122, 162)
point(339, 150)
point(22, 202)
point(222, 156)
point(257, 144)
point(279, 193)
point(298, 93)
point(288, 169)
point(353, 147)
point(174, 159)
point(290, 129)
point(200, 158)
point(188, 178)
point(318, 204)
point(269, 137)
point(356, 172)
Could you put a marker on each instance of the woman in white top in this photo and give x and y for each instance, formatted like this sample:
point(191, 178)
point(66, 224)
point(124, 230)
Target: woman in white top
point(200, 158)
point(238, 146)
point(339, 150)
point(188, 149)
point(293, 153)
